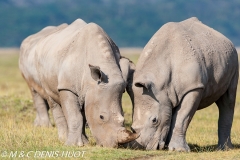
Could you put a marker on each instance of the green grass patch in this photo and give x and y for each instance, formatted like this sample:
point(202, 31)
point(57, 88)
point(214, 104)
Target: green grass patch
point(17, 133)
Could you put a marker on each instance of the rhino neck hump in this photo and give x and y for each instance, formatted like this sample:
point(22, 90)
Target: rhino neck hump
point(102, 43)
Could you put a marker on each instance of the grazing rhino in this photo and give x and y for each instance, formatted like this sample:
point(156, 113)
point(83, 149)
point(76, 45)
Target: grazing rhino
point(185, 67)
point(79, 72)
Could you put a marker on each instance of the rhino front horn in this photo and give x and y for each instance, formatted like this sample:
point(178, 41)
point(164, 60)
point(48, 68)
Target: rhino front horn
point(125, 136)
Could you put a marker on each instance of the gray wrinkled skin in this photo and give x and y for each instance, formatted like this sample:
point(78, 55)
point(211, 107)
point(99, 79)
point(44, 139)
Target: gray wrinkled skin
point(77, 70)
point(185, 67)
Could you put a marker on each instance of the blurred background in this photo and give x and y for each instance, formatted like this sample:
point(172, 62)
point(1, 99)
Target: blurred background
point(130, 23)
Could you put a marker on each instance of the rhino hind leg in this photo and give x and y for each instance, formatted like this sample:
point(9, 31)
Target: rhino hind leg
point(226, 104)
point(75, 119)
point(41, 105)
point(59, 120)
point(182, 116)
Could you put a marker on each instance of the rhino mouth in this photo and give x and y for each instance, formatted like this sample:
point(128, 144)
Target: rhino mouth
point(152, 145)
point(132, 145)
point(157, 144)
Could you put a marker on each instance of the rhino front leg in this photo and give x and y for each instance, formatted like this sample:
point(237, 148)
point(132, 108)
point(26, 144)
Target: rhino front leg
point(41, 105)
point(181, 119)
point(59, 120)
point(74, 117)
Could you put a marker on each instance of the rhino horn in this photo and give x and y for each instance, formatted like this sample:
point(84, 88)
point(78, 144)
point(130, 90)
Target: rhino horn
point(125, 136)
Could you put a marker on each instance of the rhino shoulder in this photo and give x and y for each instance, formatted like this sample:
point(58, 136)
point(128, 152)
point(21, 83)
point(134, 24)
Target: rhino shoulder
point(190, 21)
point(78, 23)
point(93, 27)
point(99, 39)
point(67, 30)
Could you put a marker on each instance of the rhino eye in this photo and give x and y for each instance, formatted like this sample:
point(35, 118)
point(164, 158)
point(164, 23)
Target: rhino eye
point(101, 117)
point(154, 121)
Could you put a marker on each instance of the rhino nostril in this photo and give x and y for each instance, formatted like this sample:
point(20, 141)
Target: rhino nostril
point(120, 119)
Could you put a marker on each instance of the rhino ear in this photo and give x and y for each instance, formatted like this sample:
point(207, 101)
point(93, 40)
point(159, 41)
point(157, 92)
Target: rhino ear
point(96, 73)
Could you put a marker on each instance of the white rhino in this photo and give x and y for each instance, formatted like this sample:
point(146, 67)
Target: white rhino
point(78, 71)
point(185, 67)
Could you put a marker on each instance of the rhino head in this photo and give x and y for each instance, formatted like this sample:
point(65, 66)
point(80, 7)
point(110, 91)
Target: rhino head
point(152, 113)
point(103, 106)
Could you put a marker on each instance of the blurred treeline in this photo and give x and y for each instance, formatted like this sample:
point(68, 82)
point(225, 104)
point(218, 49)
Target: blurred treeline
point(130, 23)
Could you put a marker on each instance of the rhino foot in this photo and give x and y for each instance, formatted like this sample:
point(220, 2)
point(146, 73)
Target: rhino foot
point(80, 141)
point(178, 145)
point(42, 122)
point(62, 135)
point(225, 146)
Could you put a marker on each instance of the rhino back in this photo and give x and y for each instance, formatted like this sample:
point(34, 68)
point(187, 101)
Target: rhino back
point(63, 58)
point(189, 55)
point(27, 50)
point(27, 63)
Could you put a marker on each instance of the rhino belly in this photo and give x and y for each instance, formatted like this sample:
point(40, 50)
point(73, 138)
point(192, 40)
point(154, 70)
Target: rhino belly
point(212, 93)
point(49, 85)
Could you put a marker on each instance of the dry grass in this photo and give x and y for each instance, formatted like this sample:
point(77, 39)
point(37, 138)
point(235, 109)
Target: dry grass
point(18, 134)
